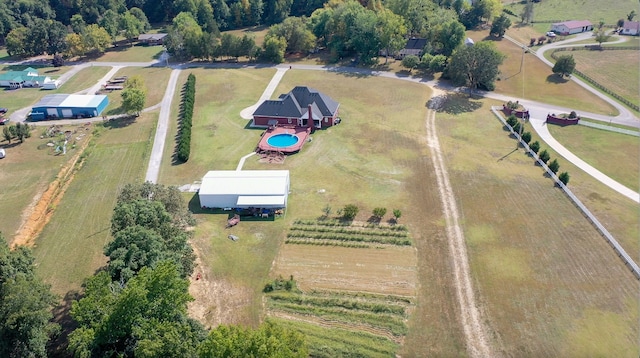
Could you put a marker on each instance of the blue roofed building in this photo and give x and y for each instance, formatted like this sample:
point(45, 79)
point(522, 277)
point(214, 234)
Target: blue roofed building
point(58, 106)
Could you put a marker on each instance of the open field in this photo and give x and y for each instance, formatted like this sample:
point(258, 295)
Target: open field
point(537, 82)
point(333, 264)
point(523, 233)
point(615, 154)
point(155, 81)
point(614, 69)
point(592, 10)
point(258, 33)
point(352, 163)
point(137, 53)
point(25, 172)
point(69, 249)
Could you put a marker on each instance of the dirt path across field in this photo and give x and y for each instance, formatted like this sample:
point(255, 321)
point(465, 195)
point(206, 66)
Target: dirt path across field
point(474, 329)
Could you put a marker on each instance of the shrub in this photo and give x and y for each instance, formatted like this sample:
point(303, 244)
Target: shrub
point(564, 178)
point(526, 137)
point(573, 114)
point(379, 212)
point(544, 156)
point(280, 284)
point(438, 63)
point(535, 146)
point(397, 214)
point(512, 120)
point(516, 127)
point(554, 166)
point(350, 211)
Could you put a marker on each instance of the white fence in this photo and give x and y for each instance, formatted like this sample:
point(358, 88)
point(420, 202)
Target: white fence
point(605, 233)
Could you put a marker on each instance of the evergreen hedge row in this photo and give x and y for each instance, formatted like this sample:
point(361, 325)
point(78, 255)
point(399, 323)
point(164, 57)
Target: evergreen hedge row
point(184, 133)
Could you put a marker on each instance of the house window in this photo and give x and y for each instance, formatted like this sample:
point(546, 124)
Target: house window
point(326, 120)
point(289, 120)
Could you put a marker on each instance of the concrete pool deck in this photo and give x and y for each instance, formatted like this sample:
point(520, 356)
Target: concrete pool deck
point(301, 132)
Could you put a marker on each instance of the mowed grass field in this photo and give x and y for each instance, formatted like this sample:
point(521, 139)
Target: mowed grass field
point(155, 81)
point(615, 154)
point(592, 10)
point(375, 157)
point(136, 53)
point(69, 249)
point(568, 293)
point(537, 80)
point(614, 69)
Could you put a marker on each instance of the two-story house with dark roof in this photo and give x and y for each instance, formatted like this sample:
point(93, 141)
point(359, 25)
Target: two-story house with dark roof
point(296, 107)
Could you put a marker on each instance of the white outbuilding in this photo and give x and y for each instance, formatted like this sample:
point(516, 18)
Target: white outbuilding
point(268, 189)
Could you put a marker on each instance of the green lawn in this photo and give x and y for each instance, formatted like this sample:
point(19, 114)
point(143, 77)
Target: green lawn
point(615, 154)
point(524, 234)
point(592, 10)
point(69, 249)
point(155, 81)
point(535, 81)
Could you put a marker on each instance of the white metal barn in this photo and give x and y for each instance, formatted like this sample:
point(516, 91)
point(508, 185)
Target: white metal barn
point(266, 189)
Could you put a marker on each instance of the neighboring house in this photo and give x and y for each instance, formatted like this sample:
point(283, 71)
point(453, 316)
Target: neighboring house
point(630, 28)
point(572, 27)
point(265, 189)
point(56, 106)
point(152, 39)
point(295, 108)
point(26, 78)
point(414, 46)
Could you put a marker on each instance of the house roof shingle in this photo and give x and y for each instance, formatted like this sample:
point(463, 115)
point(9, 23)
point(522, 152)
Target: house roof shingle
point(631, 25)
point(294, 104)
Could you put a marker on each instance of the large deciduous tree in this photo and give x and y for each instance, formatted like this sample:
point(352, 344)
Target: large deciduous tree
point(95, 38)
point(564, 66)
point(269, 340)
point(475, 66)
point(391, 31)
point(295, 31)
point(185, 36)
point(500, 26)
point(274, 48)
point(145, 318)
point(25, 305)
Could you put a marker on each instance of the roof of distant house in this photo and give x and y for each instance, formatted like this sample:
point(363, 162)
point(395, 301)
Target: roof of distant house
point(575, 23)
point(630, 25)
point(415, 44)
point(151, 37)
point(295, 103)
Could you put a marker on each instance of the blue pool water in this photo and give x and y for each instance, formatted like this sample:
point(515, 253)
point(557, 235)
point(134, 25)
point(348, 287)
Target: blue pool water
point(282, 140)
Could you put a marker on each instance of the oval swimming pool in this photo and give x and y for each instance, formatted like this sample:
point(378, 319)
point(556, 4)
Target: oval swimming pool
point(282, 140)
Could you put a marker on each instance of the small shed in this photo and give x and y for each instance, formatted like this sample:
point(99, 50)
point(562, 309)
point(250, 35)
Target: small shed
point(267, 189)
point(56, 106)
point(572, 27)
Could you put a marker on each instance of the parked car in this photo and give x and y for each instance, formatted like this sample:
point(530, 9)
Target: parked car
point(551, 34)
point(4, 110)
point(3, 120)
point(2, 153)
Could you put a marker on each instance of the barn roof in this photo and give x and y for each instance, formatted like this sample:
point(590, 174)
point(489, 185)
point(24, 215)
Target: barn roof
point(574, 24)
point(245, 182)
point(151, 37)
point(294, 104)
point(70, 101)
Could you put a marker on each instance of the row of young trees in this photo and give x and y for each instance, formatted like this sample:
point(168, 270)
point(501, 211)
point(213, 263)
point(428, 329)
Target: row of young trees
point(137, 306)
point(184, 133)
point(544, 156)
point(18, 130)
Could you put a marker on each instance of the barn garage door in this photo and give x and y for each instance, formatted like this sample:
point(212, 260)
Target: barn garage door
point(52, 112)
point(67, 113)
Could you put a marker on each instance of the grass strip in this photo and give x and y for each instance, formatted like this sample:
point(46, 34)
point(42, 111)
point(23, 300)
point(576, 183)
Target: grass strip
point(344, 237)
point(342, 230)
point(343, 302)
point(361, 296)
point(348, 223)
point(326, 243)
point(337, 342)
point(391, 323)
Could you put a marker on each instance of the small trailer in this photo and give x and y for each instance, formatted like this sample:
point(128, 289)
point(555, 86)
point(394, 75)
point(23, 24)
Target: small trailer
point(233, 221)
